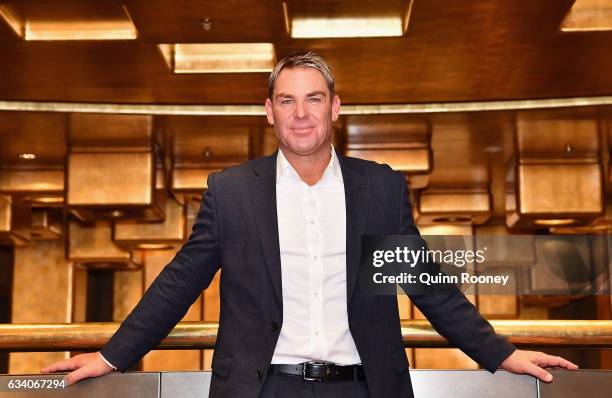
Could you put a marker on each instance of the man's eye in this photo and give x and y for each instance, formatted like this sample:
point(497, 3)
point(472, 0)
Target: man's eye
point(286, 102)
point(315, 100)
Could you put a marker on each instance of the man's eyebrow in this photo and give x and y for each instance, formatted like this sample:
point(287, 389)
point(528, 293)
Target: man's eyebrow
point(314, 93)
point(283, 95)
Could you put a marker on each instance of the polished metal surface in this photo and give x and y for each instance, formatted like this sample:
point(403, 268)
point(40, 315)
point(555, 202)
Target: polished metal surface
point(426, 384)
point(416, 333)
point(132, 385)
point(471, 383)
point(582, 383)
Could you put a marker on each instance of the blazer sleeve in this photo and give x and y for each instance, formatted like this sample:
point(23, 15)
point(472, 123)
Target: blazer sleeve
point(453, 315)
point(173, 291)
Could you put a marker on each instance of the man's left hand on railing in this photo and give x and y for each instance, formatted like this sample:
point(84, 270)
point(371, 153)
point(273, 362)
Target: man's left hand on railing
point(534, 363)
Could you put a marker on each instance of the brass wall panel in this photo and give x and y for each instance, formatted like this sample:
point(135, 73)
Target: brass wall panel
point(91, 245)
point(131, 234)
point(79, 294)
point(88, 131)
point(190, 179)
point(558, 189)
point(551, 137)
point(110, 179)
point(407, 160)
point(459, 205)
point(46, 224)
point(41, 293)
point(167, 360)
point(21, 181)
point(14, 222)
point(127, 291)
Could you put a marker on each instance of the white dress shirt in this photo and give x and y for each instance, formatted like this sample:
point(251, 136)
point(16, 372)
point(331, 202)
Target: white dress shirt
point(312, 237)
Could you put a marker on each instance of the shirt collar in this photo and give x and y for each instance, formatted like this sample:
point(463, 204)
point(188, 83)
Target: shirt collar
point(283, 167)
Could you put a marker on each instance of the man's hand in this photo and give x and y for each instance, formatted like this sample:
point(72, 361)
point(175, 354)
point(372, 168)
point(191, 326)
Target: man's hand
point(534, 362)
point(81, 366)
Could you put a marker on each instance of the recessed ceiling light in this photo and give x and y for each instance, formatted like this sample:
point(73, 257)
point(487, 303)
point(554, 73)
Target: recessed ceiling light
point(346, 19)
point(219, 57)
point(70, 22)
point(27, 156)
point(588, 15)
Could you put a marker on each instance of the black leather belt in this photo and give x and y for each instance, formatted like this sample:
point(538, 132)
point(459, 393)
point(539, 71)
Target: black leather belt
point(320, 371)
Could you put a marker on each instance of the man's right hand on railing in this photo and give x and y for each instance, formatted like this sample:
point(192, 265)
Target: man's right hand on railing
point(81, 366)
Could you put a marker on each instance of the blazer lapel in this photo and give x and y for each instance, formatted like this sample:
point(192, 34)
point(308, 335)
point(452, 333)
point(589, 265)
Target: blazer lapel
point(357, 198)
point(263, 196)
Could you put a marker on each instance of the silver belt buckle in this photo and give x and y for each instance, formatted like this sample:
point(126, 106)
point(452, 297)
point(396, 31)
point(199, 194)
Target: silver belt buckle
point(322, 363)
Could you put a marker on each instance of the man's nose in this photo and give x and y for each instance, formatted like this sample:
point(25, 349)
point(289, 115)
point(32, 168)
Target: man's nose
point(301, 111)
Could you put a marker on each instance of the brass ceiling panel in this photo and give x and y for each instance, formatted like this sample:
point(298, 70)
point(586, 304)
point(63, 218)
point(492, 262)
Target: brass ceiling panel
point(559, 138)
point(37, 133)
point(89, 131)
point(190, 179)
point(46, 224)
point(91, 245)
point(110, 179)
point(470, 206)
point(14, 222)
point(202, 141)
point(142, 235)
point(588, 15)
point(452, 51)
point(346, 18)
point(68, 20)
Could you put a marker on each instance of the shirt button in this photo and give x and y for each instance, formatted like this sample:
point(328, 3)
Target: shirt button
point(316, 294)
point(274, 326)
point(315, 258)
point(259, 374)
point(317, 333)
point(312, 222)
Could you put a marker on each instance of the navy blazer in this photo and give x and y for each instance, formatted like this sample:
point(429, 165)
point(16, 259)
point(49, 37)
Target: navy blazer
point(237, 230)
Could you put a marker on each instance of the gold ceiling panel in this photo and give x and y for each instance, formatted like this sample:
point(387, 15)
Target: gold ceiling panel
point(190, 179)
point(69, 20)
point(89, 131)
point(557, 177)
point(184, 58)
point(14, 222)
point(402, 144)
point(588, 15)
point(150, 236)
point(343, 18)
point(91, 245)
point(46, 224)
point(451, 206)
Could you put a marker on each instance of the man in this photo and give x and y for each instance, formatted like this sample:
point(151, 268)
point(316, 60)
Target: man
point(286, 230)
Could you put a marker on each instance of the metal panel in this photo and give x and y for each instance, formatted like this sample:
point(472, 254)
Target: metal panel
point(185, 384)
point(133, 385)
point(471, 383)
point(579, 383)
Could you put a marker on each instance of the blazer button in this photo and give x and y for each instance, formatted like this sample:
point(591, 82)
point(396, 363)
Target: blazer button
point(259, 374)
point(274, 326)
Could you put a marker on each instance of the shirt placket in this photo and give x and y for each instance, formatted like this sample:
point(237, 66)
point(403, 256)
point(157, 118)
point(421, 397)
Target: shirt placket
point(313, 245)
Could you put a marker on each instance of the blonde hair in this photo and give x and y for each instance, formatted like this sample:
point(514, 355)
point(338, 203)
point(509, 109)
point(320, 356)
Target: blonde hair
point(308, 59)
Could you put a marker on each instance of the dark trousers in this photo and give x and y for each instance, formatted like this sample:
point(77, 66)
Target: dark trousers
point(282, 386)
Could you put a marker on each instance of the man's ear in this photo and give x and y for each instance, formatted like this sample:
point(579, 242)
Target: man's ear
point(269, 113)
point(335, 107)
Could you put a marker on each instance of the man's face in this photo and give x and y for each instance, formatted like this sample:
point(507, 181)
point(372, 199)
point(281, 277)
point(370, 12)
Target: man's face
point(302, 111)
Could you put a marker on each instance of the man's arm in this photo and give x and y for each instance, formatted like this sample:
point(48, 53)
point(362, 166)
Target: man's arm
point(164, 303)
point(457, 319)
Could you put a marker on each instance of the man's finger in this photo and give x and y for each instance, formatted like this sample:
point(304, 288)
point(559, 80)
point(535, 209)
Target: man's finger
point(79, 374)
point(66, 364)
point(561, 362)
point(538, 372)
